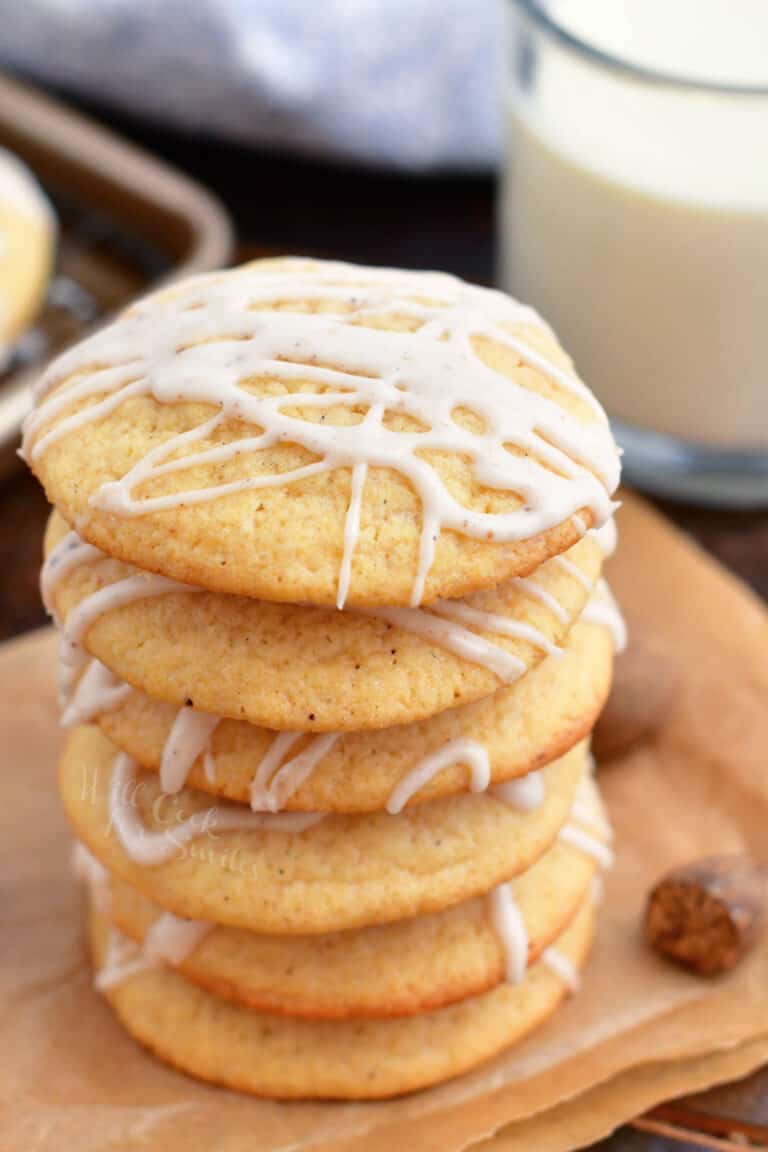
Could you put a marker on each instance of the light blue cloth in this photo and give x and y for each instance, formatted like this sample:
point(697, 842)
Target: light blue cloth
point(407, 83)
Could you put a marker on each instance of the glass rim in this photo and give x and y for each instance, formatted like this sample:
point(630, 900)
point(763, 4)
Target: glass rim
point(538, 13)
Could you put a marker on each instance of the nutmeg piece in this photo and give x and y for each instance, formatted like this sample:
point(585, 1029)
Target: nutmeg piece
point(646, 682)
point(707, 914)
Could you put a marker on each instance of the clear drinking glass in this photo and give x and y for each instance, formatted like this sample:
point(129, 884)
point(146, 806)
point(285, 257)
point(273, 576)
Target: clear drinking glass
point(634, 216)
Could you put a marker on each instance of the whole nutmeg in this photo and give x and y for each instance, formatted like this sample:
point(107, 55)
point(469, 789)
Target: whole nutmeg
point(646, 684)
point(707, 914)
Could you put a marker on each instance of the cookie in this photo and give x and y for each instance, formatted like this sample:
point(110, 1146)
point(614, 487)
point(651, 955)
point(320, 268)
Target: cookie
point(298, 872)
point(392, 970)
point(309, 432)
point(292, 667)
point(27, 239)
point(509, 734)
point(289, 1058)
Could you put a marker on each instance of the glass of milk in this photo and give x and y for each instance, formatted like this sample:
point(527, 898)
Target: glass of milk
point(634, 216)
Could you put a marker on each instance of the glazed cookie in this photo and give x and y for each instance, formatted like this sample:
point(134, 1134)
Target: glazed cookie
point(391, 970)
point(506, 735)
point(298, 872)
point(283, 1057)
point(292, 667)
point(309, 432)
point(27, 237)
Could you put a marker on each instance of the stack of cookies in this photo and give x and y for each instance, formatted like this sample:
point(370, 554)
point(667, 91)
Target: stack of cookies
point(326, 555)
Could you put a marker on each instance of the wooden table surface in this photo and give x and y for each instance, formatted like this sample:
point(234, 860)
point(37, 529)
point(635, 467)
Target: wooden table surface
point(281, 204)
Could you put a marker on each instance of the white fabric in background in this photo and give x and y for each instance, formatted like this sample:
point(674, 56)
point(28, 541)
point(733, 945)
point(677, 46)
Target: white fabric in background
point(406, 83)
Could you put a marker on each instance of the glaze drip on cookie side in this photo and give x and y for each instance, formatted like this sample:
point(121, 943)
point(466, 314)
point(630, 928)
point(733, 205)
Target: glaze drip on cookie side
point(189, 738)
point(276, 779)
point(97, 691)
point(594, 839)
point(279, 775)
point(170, 939)
point(526, 794)
point(509, 926)
point(116, 595)
point(563, 968)
point(150, 848)
point(448, 623)
point(124, 958)
point(505, 915)
point(92, 872)
point(203, 340)
point(602, 609)
point(70, 553)
point(468, 752)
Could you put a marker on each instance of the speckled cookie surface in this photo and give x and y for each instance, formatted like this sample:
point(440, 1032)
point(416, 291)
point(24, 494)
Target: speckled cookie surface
point(391, 970)
point(27, 237)
point(329, 335)
point(521, 727)
point(300, 668)
point(284, 1057)
point(342, 872)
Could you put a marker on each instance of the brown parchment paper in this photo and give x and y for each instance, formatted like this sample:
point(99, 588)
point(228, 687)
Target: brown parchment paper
point(596, 1113)
point(70, 1078)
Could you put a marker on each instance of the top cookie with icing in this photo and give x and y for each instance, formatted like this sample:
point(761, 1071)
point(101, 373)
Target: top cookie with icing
point(314, 432)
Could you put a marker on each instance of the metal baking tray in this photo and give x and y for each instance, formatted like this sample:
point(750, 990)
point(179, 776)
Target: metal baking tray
point(127, 221)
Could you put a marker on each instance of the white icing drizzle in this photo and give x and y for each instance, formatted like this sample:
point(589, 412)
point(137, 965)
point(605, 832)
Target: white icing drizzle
point(97, 691)
point(573, 570)
point(585, 842)
point(607, 536)
point(276, 781)
point(454, 638)
point(93, 873)
point(602, 609)
point(492, 622)
point(69, 553)
point(526, 793)
point(151, 848)
point(209, 766)
point(448, 623)
point(171, 939)
point(510, 928)
point(189, 738)
point(80, 619)
point(585, 809)
point(458, 751)
point(543, 596)
point(159, 348)
point(507, 920)
point(123, 958)
point(585, 812)
point(563, 968)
